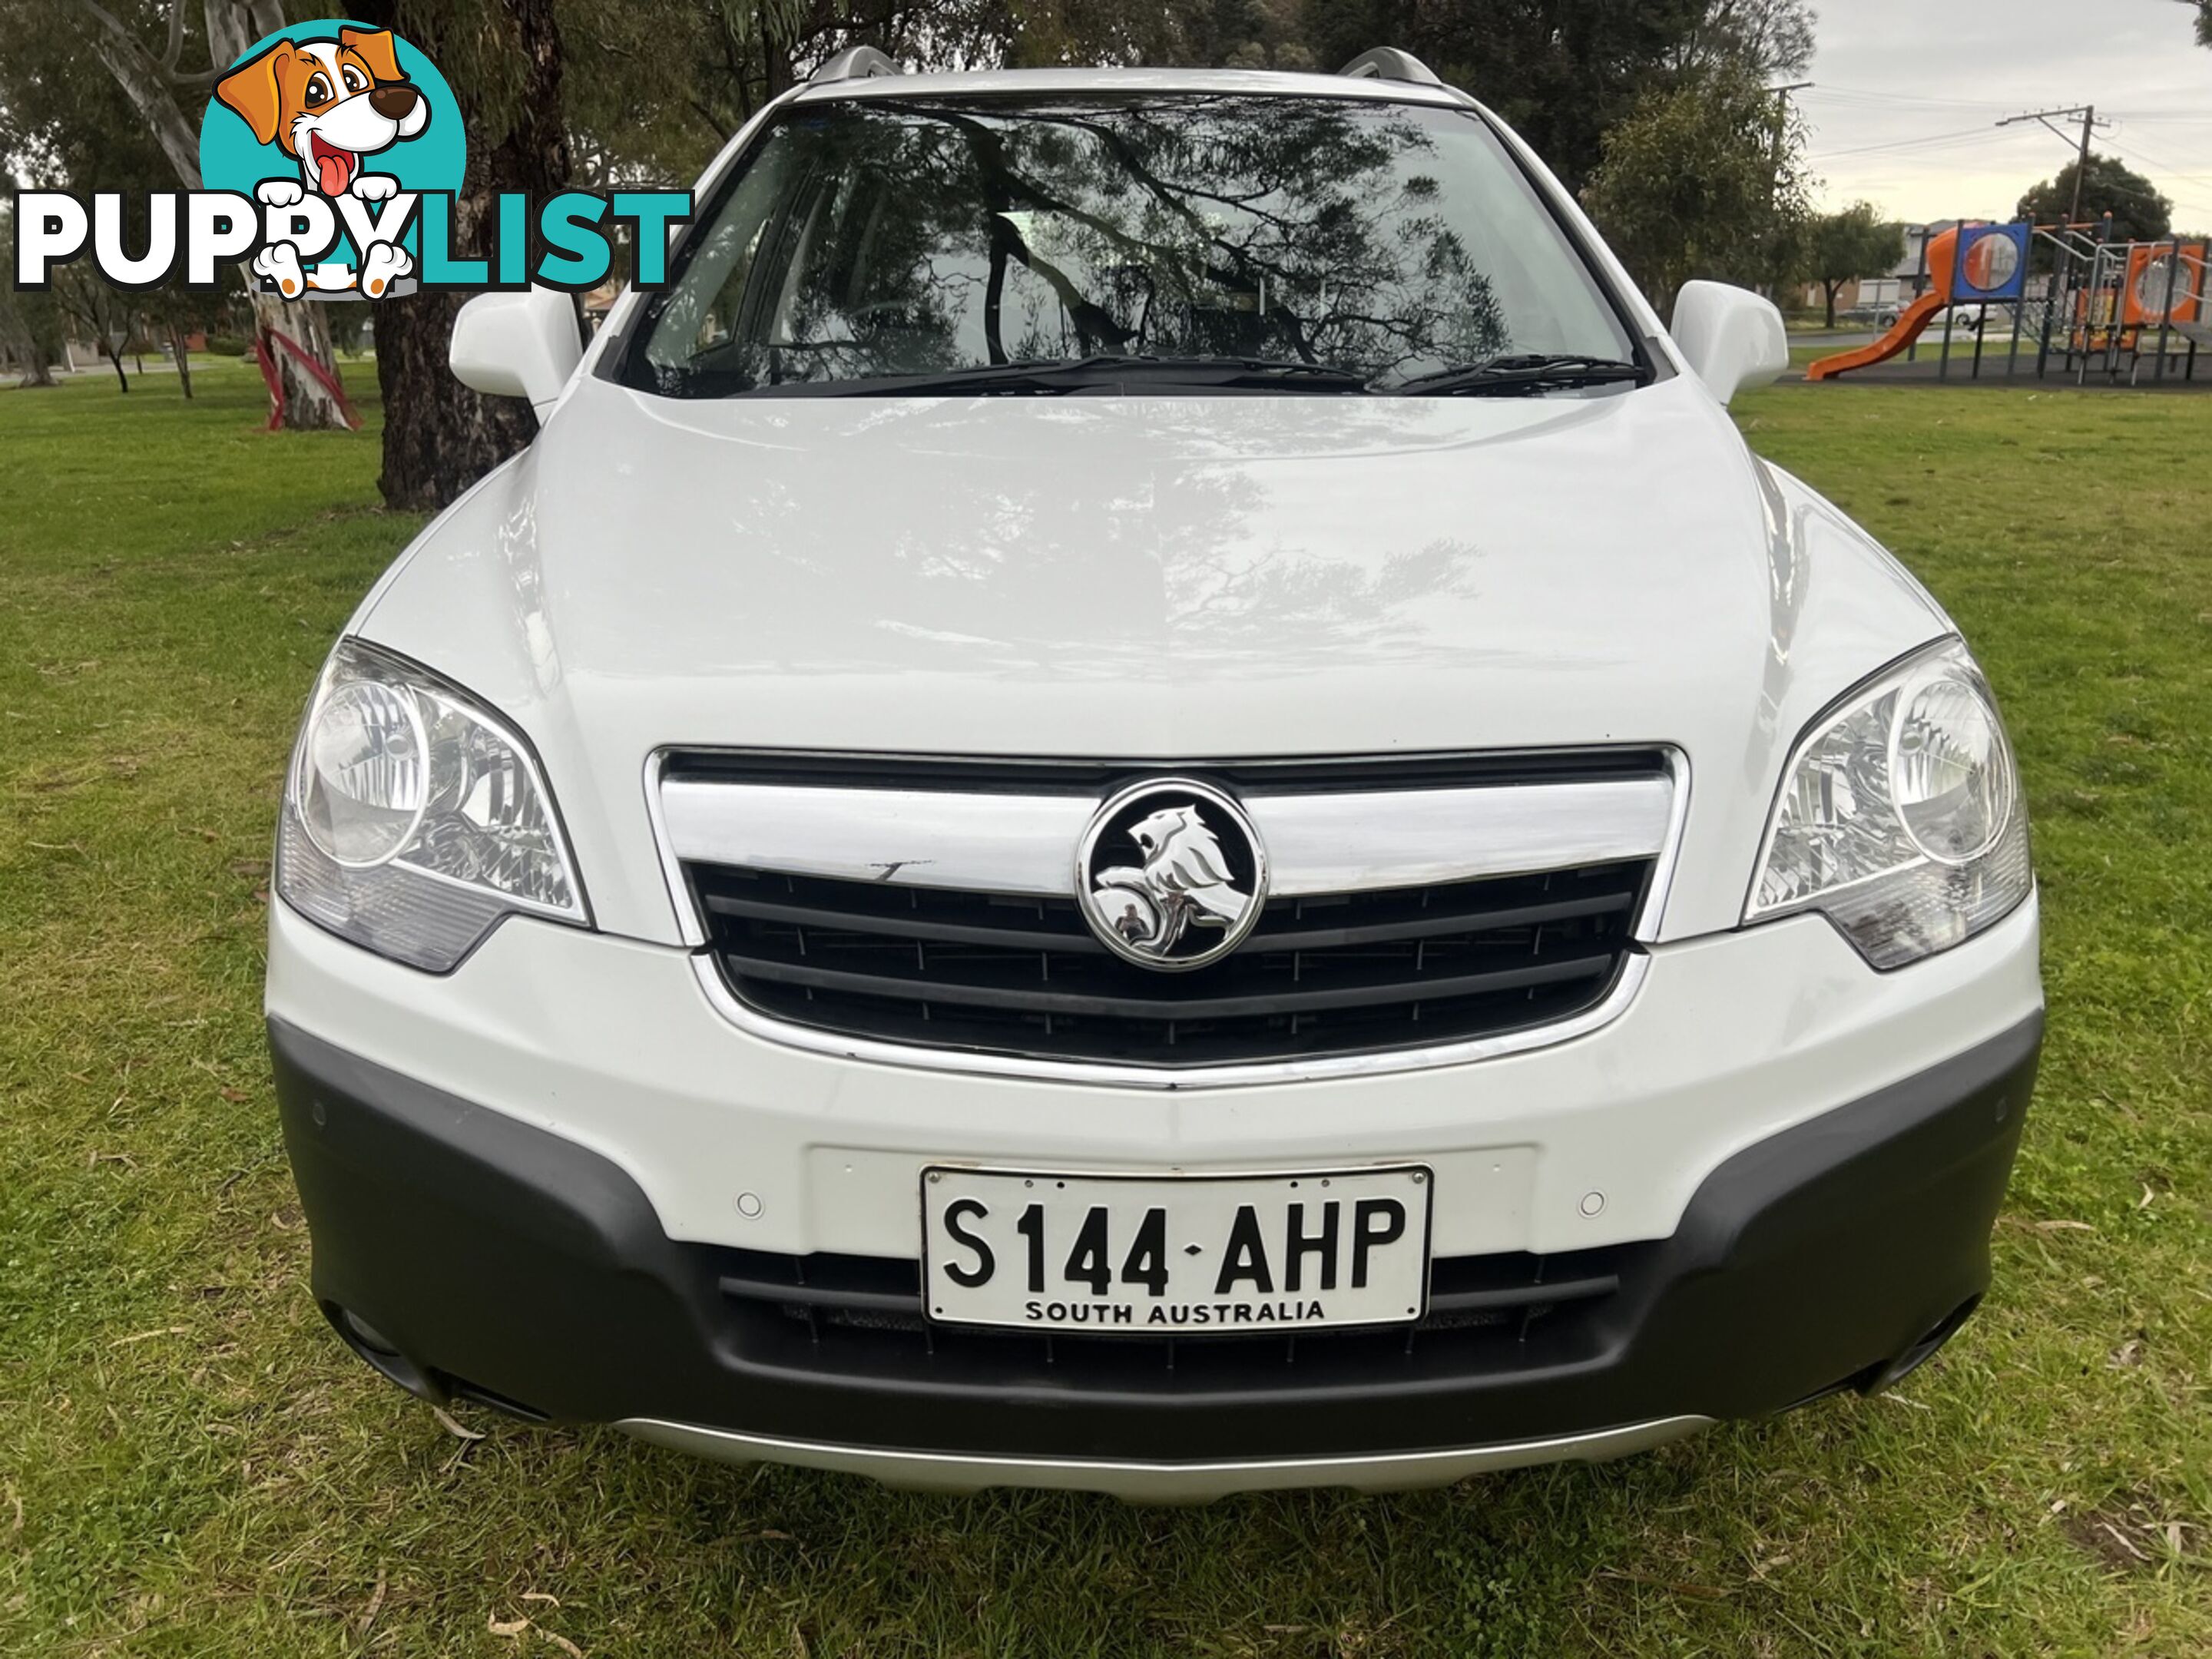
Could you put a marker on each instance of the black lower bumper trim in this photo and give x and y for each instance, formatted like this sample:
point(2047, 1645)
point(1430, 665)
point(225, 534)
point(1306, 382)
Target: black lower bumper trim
point(491, 1259)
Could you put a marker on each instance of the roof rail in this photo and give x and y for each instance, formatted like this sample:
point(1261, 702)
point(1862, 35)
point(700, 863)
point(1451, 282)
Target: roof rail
point(1389, 63)
point(854, 63)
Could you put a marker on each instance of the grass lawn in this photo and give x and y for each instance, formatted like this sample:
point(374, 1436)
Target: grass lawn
point(189, 1464)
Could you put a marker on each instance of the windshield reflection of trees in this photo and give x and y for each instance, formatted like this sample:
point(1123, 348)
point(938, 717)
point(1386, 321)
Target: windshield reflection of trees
point(916, 238)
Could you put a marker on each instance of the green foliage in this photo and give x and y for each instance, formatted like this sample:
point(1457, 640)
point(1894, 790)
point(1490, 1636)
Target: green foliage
point(1565, 72)
point(30, 322)
point(1701, 180)
point(2140, 213)
point(1562, 72)
point(65, 122)
point(1244, 34)
point(1772, 39)
point(1843, 246)
point(654, 89)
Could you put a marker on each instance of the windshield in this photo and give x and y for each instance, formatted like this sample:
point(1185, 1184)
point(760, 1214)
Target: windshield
point(892, 241)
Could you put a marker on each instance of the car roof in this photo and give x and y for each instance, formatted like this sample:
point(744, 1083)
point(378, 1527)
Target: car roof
point(1260, 81)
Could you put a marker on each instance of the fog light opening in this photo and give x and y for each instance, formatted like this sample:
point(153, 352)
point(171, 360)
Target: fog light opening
point(382, 1355)
point(1925, 1349)
point(367, 1335)
point(464, 1389)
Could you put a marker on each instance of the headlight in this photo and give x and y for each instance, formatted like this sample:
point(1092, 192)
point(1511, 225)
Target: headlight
point(1900, 817)
point(414, 818)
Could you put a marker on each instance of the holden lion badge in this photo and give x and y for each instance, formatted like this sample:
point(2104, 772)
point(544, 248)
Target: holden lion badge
point(1171, 874)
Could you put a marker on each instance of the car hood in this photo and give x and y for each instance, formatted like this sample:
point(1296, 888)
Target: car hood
point(1145, 578)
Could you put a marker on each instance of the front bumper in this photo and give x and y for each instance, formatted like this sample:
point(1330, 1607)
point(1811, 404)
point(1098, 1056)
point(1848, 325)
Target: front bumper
point(739, 1141)
point(476, 1252)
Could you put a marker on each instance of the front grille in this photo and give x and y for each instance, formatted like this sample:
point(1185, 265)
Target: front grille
point(841, 1315)
point(1347, 974)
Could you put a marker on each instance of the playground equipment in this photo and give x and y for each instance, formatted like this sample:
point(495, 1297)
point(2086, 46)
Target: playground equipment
point(1941, 261)
point(2104, 306)
point(2112, 298)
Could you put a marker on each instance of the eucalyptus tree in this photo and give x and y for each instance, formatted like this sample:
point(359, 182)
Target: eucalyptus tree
point(30, 322)
point(164, 57)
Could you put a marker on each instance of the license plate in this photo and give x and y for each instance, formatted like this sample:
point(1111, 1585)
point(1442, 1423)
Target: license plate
point(1180, 1255)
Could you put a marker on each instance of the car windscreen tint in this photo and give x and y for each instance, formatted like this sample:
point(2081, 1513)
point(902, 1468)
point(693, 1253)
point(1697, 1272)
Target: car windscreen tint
point(881, 240)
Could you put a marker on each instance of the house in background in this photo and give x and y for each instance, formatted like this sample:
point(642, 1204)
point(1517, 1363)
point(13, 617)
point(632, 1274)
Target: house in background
point(1890, 292)
point(1902, 283)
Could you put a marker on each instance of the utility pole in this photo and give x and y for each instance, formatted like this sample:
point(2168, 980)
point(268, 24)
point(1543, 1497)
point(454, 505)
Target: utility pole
point(1781, 95)
point(2087, 114)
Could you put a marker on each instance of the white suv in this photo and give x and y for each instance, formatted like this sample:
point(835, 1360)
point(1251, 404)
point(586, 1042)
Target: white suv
point(1142, 794)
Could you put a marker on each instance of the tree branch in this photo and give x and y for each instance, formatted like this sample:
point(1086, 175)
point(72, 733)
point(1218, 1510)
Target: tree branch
point(234, 25)
point(147, 86)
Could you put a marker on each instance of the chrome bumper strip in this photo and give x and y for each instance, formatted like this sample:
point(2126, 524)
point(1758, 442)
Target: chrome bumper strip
point(1025, 844)
point(1164, 1483)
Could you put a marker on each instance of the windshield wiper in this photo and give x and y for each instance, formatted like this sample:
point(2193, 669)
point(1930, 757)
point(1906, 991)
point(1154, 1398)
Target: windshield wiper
point(1052, 374)
point(1532, 371)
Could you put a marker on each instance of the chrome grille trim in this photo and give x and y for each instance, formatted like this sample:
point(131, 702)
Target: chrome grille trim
point(1607, 818)
point(1011, 843)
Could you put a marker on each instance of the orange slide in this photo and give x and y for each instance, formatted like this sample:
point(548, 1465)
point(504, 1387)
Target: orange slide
point(1942, 253)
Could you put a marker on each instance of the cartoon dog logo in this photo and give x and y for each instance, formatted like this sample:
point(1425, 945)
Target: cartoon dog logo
point(329, 105)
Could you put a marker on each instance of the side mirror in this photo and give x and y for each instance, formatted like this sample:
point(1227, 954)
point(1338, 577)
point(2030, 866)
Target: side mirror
point(518, 345)
point(1732, 337)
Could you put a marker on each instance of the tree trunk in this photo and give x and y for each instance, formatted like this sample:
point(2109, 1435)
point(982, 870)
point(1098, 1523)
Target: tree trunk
point(1831, 287)
point(177, 349)
point(116, 357)
point(308, 405)
point(152, 87)
point(439, 436)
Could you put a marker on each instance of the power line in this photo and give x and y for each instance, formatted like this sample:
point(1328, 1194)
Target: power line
point(1830, 88)
point(1903, 143)
point(1958, 138)
point(2152, 161)
point(2087, 113)
point(1856, 95)
point(1967, 138)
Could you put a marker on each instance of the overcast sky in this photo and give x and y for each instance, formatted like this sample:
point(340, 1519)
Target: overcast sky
point(1906, 92)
